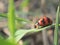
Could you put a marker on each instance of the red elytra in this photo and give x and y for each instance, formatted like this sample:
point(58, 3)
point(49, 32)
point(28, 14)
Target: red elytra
point(44, 21)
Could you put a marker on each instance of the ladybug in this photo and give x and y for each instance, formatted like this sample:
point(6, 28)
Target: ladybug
point(44, 21)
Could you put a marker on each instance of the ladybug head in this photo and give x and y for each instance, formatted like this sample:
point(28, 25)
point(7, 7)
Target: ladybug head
point(36, 25)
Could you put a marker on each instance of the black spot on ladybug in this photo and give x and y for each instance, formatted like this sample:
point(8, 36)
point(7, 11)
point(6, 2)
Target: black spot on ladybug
point(43, 21)
point(48, 20)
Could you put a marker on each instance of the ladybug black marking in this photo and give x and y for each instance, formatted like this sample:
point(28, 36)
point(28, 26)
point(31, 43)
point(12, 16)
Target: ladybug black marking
point(48, 20)
point(43, 21)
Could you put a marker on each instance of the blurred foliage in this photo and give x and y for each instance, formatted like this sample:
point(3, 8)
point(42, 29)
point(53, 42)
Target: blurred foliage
point(26, 42)
point(25, 3)
point(17, 35)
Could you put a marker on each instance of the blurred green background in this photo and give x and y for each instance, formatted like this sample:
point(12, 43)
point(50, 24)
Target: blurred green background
point(30, 11)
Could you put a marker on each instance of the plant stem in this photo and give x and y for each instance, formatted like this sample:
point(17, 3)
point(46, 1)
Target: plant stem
point(11, 19)
point(56, 28)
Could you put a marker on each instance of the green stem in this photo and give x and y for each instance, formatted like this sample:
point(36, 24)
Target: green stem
point(11, 19)
point(56, 28)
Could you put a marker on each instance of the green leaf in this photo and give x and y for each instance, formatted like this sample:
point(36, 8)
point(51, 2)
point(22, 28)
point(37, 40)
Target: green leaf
point(20, 33)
